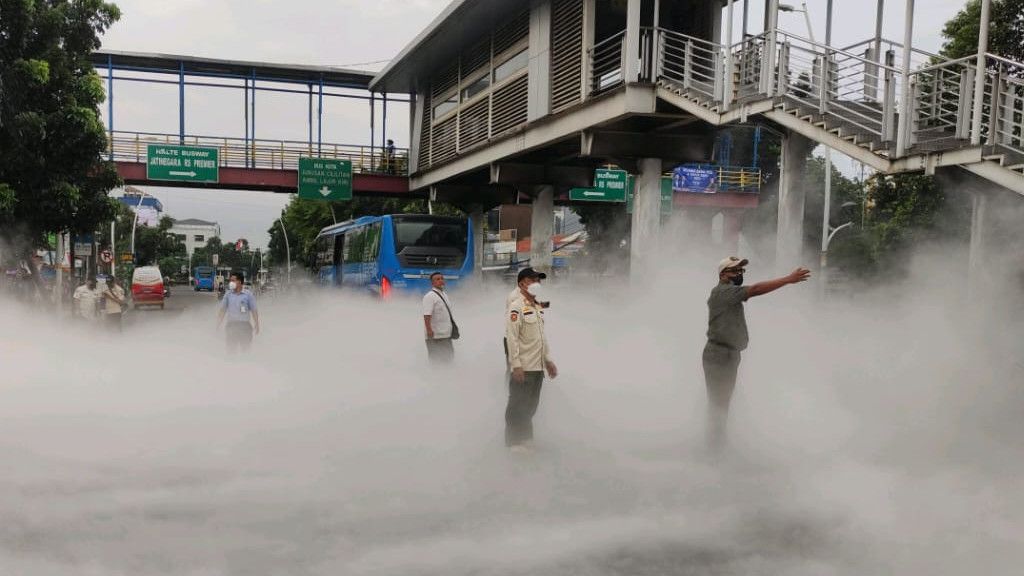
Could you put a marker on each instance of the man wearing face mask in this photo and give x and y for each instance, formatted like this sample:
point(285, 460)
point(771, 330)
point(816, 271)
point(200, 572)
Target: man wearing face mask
point(727, 337)
point(528, 359)
point(239, 305)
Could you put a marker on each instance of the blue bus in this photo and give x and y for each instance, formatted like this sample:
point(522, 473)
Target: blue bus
point(393, 252)
point(204, 278)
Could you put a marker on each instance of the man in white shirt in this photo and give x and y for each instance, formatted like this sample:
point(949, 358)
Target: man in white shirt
point(87, 299)
point(438, 322)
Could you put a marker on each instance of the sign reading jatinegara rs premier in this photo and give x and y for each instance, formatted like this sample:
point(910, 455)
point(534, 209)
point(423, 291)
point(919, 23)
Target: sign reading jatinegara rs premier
point(184, 163)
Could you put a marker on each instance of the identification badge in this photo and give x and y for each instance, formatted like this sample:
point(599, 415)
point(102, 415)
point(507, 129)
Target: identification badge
point(244, 308)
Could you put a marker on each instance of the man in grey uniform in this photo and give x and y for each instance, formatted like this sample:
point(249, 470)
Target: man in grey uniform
point(727, 337)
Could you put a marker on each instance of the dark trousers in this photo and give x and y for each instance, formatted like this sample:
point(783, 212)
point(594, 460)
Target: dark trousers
point(440, 350)
point(113, 321)
point(721, 364)
point(523, 399)
point(239, 336)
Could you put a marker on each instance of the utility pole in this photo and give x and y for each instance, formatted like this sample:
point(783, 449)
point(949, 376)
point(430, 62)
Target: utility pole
point(287, 250)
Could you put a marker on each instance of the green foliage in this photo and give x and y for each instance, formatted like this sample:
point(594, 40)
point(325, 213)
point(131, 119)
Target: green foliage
point(1006, 34)
point(304, 219)
point(52, 175)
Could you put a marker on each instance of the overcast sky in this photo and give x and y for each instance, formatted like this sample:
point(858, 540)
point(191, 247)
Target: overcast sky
point(345, 33)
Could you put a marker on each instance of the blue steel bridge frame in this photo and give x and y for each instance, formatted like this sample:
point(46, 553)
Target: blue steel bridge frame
point(318, 81)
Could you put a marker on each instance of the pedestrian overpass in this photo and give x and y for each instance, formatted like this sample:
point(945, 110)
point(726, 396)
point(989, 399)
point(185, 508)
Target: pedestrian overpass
point(533, 96)
point(252, 162)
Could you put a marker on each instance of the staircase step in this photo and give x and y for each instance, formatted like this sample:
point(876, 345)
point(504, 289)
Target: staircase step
point(1016, 167)
point(995, 157)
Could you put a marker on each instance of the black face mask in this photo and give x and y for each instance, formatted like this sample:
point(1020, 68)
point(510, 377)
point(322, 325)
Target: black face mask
point(737, 280)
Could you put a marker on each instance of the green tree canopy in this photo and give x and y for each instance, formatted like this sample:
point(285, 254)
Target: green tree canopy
point(52, 175)
point(1006, 33)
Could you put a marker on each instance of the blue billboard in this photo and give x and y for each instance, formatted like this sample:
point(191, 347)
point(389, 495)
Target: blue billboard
point(695, 179)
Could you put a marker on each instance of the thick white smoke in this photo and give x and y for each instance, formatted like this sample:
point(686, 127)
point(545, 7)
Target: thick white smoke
point(876, 435)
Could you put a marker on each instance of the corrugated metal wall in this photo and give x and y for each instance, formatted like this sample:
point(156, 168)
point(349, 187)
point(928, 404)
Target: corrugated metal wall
point(566, 53)
point(479, 96)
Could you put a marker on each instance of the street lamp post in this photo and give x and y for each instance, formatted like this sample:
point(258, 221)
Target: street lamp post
point(135, 220)
point(287, 249)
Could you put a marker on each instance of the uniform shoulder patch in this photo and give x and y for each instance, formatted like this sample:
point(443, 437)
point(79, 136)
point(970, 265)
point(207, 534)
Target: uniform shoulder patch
point(514, 315)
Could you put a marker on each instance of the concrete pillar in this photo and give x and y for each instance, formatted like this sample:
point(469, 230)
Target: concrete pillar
point(542, 226)
point(476, 220)
point(790, 234)
point(415, 132)
point(539, 78)
point(978, 263)
point(731, 232)
point(631, 65)
point(646, 215)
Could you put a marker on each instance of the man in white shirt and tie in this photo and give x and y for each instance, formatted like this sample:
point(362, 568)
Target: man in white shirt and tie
point(440, 327)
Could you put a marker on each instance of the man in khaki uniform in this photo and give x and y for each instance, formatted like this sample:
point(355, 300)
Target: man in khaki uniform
point(528, 359)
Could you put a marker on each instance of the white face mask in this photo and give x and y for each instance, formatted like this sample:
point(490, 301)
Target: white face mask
point(538, 292)
point(232, 285)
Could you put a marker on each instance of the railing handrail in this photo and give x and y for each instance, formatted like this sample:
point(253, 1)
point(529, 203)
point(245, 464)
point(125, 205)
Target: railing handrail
point(242, 139)
point(688, 37)
point(895, 44)
point(1002, 59)
point(607, 40)
point(946, 64)
point(838, 51)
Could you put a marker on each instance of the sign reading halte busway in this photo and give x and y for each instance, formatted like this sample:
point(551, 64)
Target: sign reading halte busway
point(184, 163)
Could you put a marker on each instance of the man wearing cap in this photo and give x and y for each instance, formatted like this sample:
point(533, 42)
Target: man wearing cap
point(528, 359)
point(727, 337)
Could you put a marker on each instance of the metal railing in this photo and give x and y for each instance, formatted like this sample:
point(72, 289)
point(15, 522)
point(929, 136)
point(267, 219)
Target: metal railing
point(261, 153)
point(854, 92)
point(694, 64)
point(606, 61)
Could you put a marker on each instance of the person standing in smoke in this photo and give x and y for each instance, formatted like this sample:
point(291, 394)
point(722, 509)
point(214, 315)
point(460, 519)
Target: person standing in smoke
point(727, 338)
point(438, 323)
point(528, 359)
point(239, 305)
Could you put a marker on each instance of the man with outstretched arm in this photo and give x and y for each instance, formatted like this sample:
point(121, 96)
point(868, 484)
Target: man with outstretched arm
point(727, 337)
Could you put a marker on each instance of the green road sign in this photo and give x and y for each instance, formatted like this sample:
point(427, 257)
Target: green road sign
point(325, 179)
point(666, 196)
point(184, 163)
point(595, 195)
point(612, 181)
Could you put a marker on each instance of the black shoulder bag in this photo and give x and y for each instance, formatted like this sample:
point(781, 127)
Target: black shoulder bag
point(455, 327)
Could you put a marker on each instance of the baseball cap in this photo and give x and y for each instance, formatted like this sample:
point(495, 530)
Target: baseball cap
point(731, 262)
point(530, 273)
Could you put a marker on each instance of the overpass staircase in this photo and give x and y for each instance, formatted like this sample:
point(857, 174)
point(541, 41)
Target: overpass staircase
point(857, 99)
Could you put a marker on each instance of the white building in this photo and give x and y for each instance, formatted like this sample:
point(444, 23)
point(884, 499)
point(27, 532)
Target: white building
point(194, 233)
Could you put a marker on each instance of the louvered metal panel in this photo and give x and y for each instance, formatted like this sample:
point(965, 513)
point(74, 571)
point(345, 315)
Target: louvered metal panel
point(424, 151)
point(566, 53)
point(442, 147)
point(445, 79)
point(476, 58)
point(473, 124)
point(516, 30)
point(508, 105)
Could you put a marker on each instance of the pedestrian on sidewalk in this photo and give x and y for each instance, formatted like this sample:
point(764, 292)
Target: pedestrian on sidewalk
point(438, 322)
point(728, 337)
point(243, 319)
point(528, 359)
point(86, 300)
point(113, 302)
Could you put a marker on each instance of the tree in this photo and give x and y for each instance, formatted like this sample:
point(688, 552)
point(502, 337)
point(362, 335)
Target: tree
point(1006, 33)
point(52, 175)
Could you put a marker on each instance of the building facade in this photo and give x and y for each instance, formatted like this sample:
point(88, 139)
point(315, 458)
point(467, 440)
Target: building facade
point(194, 233)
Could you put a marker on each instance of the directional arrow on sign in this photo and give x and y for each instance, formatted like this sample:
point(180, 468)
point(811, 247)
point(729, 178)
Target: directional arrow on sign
point(189, 174)
point(325, 191)
point(590, 193)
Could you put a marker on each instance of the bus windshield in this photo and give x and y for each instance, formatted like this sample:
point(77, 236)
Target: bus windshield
point(431, 241)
